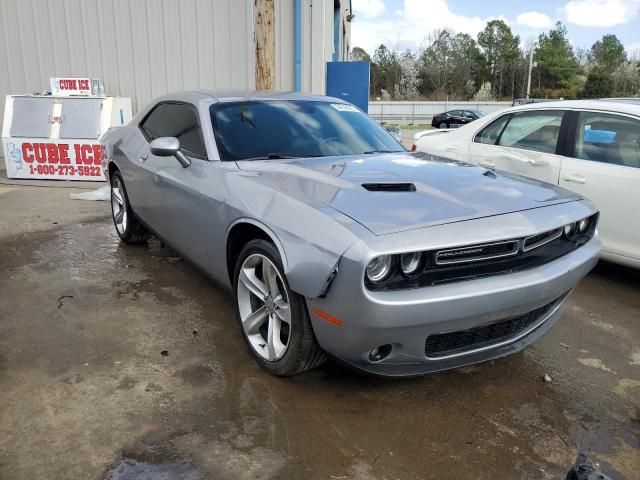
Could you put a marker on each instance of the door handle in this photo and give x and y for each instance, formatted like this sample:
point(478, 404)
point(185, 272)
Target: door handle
point(143, 157)
point(487, 164)
point(574, 178)
point(529, 161)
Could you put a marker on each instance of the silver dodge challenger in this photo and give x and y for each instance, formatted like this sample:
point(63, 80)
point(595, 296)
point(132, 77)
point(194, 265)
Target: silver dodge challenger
point(335, 240)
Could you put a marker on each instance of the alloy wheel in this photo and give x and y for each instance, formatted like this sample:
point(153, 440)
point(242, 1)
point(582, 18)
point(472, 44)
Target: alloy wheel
point(119, 205)
point(263, 303)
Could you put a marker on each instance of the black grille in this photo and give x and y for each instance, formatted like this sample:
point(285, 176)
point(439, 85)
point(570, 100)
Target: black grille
point(443, 344)
point(475, 253)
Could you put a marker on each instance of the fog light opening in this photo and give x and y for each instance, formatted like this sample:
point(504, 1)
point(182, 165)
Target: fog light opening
point(380, 353)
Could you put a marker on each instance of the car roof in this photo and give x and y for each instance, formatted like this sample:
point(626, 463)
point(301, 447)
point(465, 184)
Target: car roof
point(243, 95)
point(604, 105)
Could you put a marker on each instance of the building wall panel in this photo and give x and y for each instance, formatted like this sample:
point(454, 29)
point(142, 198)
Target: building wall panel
point(145, 48)
point(138, 48)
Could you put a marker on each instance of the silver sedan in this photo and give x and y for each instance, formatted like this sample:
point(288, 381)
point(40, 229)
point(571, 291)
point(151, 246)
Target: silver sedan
point(335, 240)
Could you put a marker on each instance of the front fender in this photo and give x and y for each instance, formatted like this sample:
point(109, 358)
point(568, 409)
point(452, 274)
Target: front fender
point(311, 238)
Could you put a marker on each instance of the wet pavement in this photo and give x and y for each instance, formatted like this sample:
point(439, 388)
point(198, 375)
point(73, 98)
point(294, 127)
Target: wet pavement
point(125, 362)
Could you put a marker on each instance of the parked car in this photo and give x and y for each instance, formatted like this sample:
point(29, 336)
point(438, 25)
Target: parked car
point(334, 239)
point(455, 118)
point(591, 147)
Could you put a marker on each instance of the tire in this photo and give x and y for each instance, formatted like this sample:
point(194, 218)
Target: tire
point(443, 125)
point(284, 349)
point(127, 225)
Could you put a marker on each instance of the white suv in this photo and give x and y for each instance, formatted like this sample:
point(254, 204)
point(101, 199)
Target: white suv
point(589, 146)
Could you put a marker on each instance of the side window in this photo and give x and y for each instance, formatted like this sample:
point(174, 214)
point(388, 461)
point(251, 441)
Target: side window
point(491, 132)
point(176, 120)
point(455, 113)
point(537, 131)
point(607, 138)
point(150, 124)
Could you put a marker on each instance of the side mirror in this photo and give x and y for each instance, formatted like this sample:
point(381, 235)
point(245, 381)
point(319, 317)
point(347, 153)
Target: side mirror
point(169, 147)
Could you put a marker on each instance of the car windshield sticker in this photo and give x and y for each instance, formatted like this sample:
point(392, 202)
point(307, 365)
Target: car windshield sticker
point(344, 107)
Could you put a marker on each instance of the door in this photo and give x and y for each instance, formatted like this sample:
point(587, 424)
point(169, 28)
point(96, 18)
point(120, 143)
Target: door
point(31, 117)
point(524, 143)
point(468, 117)
point(172, 200)
point(349, 81)
point(605, 168)
point(454, 119)
point(80, 118)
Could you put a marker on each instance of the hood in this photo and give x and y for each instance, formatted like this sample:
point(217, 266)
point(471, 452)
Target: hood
point(389, 193)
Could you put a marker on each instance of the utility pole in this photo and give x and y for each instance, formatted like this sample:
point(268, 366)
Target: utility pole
point(265, 45)
point(533, 47)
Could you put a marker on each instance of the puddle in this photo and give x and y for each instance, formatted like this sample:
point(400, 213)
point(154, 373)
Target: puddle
point(132, 469)
point(152, 462)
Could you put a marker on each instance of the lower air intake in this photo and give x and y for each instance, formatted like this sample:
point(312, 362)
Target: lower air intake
point(445, 344)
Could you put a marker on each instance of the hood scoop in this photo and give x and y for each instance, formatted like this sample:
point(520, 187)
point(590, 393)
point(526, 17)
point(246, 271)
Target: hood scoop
point(389, 187)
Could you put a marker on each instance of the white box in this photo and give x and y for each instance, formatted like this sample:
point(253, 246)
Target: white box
point(49, 137)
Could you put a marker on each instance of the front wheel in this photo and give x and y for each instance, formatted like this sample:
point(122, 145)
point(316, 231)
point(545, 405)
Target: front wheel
point(128, 227)
point(443, 125)
point(274, 320)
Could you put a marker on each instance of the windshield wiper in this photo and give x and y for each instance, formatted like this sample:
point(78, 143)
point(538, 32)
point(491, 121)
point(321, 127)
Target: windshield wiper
point(269, 156)
point(381, 151)
point(280, 156)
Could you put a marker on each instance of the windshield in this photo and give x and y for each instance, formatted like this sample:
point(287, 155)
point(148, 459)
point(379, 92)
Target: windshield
point(262, 129)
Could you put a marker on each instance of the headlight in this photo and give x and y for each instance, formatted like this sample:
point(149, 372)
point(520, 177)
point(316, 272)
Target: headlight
point(569, 229)
point(409, 262)
point(583, 225)
point(379, 268)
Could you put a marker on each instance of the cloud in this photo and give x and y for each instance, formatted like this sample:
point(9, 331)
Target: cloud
point(411, 25)
point(534, 20)
point(368, 8)
point(600, 13)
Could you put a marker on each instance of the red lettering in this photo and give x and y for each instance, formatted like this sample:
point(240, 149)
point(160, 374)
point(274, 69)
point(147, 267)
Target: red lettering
point(87, 154)
point(40, 152)
point(52, 153)
point(27, 152)
point(63, 150)
point(68, 84)
point(76, 151)
point(97, 154)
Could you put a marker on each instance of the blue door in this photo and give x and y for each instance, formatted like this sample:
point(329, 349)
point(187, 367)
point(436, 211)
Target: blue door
point(349, 81)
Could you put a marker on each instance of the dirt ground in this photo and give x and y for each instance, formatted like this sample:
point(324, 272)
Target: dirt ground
point(124, 362)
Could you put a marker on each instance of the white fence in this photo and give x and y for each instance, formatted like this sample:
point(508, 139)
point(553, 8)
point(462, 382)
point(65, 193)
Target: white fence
point(421, 112)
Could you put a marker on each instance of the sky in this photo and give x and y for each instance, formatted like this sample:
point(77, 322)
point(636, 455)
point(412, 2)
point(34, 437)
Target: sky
point(406, 23)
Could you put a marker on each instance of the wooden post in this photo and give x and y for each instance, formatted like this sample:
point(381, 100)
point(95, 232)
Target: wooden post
point(265, 45)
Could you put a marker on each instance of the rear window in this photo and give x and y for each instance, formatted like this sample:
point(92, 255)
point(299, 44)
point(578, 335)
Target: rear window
point(296, 128)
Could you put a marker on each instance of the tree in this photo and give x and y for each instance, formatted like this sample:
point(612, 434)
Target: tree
point(501, 50)
point(626, 79)
point(607, 54)
point(598, 84)
point(408, 88)
point(435, 63)
point(449, 63)
point(557, 65)
point(387, 70)
point(359, 54)
point(484, 93)
point(468, 65)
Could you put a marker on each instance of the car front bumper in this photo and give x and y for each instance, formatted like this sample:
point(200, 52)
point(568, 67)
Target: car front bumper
point(406, 318)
